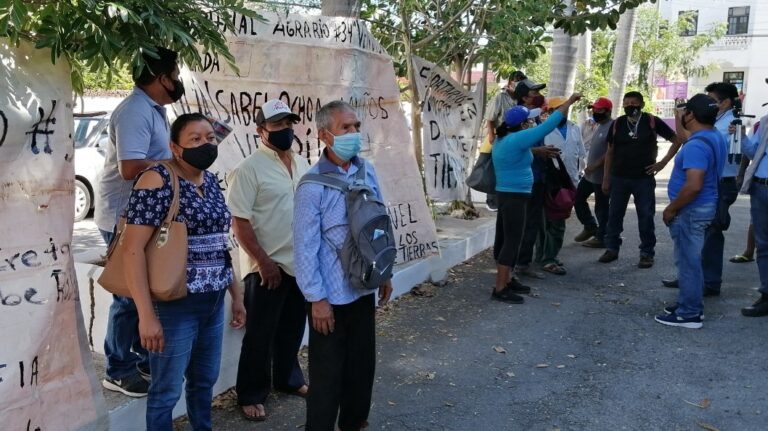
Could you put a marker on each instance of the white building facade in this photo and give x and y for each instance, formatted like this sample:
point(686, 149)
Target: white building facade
point(741, 56)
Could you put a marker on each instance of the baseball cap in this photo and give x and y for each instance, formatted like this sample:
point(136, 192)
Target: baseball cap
point(275, 110)
point(523, 87)
point(701, 106)
point(517, 75)
point(517, 114)
point(555, 102)
point(602, 103)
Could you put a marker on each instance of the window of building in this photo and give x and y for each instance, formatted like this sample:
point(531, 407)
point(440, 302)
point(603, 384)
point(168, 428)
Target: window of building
point(735, 78)
point(690, 18)
point(738, 20)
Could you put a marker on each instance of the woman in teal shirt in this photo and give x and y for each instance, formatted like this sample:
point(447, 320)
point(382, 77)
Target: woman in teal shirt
point(512, 159)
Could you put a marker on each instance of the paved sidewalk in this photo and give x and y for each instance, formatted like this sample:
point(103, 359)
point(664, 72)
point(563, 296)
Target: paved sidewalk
point(583, 352)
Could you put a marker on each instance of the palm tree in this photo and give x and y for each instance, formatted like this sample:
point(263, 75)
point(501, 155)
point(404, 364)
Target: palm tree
point(625, 34)
point(562, 69)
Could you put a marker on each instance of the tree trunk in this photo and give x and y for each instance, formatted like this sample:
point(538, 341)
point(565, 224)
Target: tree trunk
point(625, 34)
point(345, 8)
point(585, 59)
point(562, 70)
point(415, 99)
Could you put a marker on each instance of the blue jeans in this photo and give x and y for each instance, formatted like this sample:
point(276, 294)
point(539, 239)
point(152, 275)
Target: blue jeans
point(759, 207)
point(122, 345)
point(714, 241)
point(193, 330)
point(644, 192)
point(687, 232)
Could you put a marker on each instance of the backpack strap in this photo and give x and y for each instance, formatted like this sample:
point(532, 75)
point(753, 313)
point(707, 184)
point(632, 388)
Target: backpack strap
point(324, 180)
point(652, 121)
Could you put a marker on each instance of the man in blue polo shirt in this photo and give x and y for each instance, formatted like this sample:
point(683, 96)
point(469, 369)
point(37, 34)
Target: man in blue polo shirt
point(726, 95)
point(692, 193)
point(139, 136)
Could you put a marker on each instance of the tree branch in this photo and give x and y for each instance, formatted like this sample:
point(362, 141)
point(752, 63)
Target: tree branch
point(427, 40)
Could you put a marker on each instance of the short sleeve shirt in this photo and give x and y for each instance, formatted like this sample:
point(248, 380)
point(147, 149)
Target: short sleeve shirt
point(138, 130)
point(261, 191)
point(209, 266)
point(697, 153)
point(634, 149)
point(597, 147)
point(499, 105)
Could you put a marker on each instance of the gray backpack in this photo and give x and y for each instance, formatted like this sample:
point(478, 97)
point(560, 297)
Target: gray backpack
point(368, 253)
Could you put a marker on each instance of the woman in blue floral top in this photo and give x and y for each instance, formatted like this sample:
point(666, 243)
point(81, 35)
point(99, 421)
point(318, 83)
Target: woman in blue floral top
point(184, 336)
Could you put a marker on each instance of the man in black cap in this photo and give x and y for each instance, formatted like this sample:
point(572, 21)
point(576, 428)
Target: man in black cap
point(693, 198)
point(528, 94)
point(495, 116)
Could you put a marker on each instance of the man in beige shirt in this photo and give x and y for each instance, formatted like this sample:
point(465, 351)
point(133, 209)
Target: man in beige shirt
point(260, 198)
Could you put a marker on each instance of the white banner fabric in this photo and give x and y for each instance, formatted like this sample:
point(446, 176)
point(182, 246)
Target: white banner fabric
point(451, 118)
point(308, 61)
point(46, 376)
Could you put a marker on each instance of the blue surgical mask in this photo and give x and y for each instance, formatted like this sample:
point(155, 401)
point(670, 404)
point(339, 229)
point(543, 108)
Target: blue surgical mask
point(346, 146)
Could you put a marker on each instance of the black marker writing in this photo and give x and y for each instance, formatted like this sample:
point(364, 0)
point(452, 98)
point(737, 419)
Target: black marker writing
point(4, 126)
point(45, 132)
point(33, 375)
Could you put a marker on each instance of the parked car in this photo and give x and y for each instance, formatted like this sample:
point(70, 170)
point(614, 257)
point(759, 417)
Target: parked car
point(91, 138)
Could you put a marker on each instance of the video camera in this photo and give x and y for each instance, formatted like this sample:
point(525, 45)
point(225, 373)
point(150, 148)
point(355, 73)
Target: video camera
point(734, 151)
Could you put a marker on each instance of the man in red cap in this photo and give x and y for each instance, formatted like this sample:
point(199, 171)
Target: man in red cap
point(593, 233)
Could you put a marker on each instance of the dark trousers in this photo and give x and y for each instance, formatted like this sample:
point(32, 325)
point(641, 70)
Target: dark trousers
point(584, 214)
point(510, 225)
point(341, 368)
point(274, 328)
point(644, 192)
point(534, 220)
point(714, 241)
point(492, 200)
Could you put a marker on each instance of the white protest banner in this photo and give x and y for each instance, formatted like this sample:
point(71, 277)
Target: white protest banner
point(450, 119)
point(46, 375)
point(308, 61)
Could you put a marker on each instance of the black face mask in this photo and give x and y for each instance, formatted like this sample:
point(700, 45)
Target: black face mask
point(683, 122)
point(599, 117)
point(201, 157)
point(178, 90)
point(281, 139)
point(632, 111)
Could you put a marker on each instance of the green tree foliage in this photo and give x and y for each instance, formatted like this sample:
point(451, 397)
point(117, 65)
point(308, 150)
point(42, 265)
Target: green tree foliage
point(106, 37)
point(447, 32)
point(658, 48)
point(659, 43)
point(118, 80)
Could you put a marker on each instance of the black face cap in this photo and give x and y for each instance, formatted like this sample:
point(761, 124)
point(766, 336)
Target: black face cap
point(702, 106)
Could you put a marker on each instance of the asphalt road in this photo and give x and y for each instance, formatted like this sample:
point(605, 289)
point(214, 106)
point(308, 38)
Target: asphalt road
point(582, 353)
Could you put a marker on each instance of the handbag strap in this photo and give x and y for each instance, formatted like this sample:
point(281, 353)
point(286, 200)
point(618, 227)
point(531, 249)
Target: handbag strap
point(173, 210)
point(165, 227)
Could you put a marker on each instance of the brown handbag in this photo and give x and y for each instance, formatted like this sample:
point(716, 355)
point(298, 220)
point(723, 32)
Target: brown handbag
point(166, 254)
